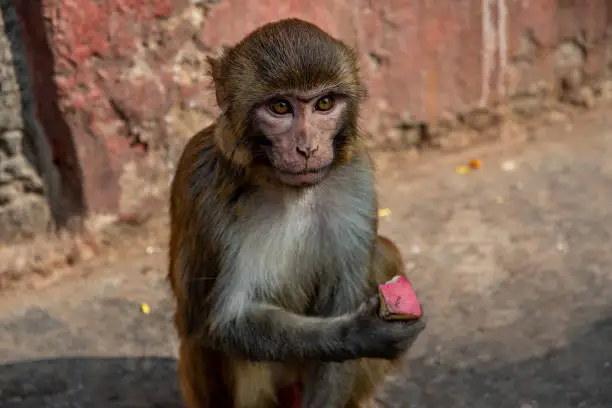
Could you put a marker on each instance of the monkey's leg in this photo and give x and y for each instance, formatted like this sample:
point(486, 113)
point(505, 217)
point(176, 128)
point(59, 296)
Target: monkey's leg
point(386, 262)
point(371, 376)
point(191, 373)
point(201, 377)
point(329, 385)
point(253, 385)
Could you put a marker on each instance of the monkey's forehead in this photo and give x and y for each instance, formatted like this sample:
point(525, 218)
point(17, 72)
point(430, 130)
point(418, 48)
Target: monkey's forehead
point(291, 56)
point(295, 70)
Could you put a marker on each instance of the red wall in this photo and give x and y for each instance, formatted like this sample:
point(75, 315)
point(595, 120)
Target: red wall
point(108, 71)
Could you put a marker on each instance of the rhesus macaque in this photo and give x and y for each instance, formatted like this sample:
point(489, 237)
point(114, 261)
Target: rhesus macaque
point(274, 252)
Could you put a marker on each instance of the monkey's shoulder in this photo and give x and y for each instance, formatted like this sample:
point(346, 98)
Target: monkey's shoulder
point(354, 178)
point(200, 142)
point(203, 172)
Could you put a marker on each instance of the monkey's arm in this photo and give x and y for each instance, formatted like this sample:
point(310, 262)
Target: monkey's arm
point(259, 331)
point(267, 332)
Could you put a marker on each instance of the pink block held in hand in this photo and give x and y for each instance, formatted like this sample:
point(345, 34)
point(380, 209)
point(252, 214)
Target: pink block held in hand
point(398, 300)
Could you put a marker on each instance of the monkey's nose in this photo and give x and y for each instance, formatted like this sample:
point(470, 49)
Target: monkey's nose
point(307, 151)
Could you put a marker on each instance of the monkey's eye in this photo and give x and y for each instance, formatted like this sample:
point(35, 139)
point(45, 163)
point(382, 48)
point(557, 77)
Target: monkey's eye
point(325, 103)
point(280, 107)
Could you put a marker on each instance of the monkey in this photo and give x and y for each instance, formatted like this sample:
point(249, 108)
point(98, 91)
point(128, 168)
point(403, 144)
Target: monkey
point(274, 252)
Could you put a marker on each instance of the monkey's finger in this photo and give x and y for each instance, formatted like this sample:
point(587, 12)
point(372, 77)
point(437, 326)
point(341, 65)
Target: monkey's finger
point(419, 321)
point(413, 336)
point(422, 320)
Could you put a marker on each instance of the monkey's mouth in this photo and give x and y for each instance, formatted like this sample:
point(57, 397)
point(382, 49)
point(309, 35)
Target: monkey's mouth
point(304, 177)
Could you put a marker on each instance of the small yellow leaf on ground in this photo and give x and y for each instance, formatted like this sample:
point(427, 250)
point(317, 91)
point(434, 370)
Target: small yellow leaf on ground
point(384, 212)
point(462, 170)
point(144, 308)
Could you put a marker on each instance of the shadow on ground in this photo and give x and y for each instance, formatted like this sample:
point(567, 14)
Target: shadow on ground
point(578, 375)
point(90, 382)
point(574, 376)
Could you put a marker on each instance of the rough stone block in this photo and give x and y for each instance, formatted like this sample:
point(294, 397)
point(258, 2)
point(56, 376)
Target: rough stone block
point(10, 142)
point(24, 217)
point(9, 193)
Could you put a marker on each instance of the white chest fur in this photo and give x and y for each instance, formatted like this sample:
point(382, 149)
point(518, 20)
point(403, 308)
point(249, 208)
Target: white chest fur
point(287, 238)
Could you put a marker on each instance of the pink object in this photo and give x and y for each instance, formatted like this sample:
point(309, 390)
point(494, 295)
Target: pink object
point(290, 397)
point(398, 300)
point(297, 402)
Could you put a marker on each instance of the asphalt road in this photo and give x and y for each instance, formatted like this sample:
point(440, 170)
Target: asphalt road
point(512, 263)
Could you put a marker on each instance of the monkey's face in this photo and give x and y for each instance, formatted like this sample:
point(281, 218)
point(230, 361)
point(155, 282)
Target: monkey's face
point(298, 135)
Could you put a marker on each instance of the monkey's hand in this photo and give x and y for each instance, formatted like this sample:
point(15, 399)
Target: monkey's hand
point(373, 337)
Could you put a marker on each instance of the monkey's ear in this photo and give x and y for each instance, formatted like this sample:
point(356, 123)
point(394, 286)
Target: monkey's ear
point(215, 64)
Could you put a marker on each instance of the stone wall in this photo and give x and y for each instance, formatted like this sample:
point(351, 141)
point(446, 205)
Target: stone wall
point(121, 84)
point(26, 204)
